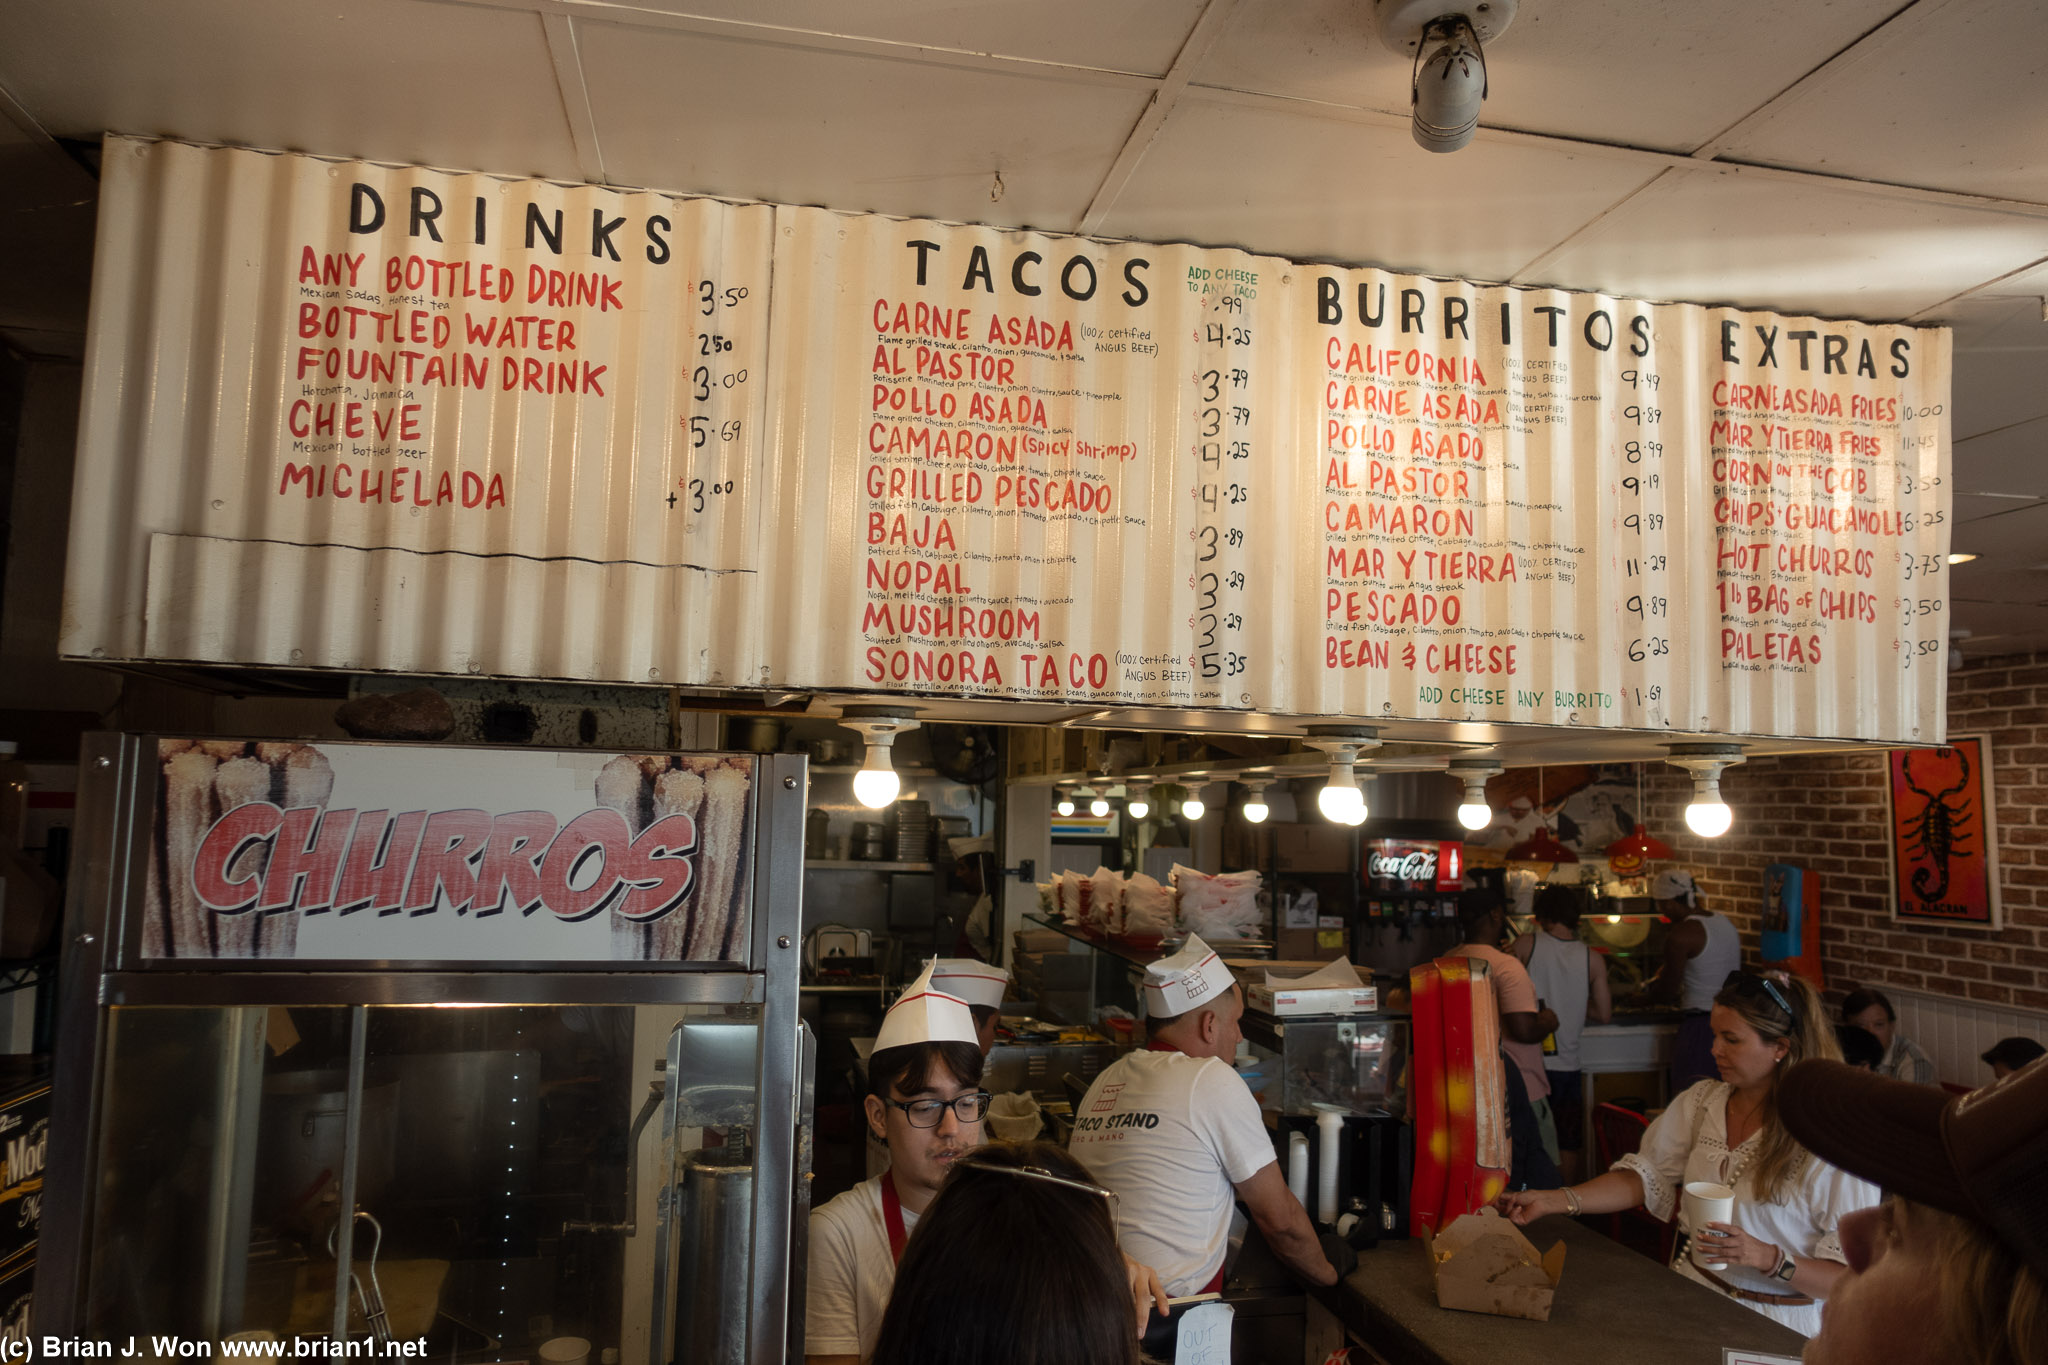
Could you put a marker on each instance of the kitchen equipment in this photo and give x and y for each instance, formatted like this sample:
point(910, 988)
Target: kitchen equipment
point(299, 1142)
point(1014, 1117)
point(911, 827)
point(817, 840)
point(830, 941)
point(712, 1223)
point(870, 841)
point(760, 734)
point(826, 751)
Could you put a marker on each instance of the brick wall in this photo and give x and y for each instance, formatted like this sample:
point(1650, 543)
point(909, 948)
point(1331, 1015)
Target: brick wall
point(1827, 813)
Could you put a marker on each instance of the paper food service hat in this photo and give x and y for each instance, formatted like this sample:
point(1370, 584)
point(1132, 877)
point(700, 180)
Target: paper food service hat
point(1192, 977)
point(1673, 885)
point(925, 1014)
point(978, 983)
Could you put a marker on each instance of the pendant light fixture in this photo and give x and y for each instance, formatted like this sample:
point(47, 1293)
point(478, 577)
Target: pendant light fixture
point(1341, 799)
point(876, 784)
point(1255, 809)
point(1138, 800)
point(1098, 806)
point(1193, 806)
point(1627, 854)
point(1542, 846)
point(1707, 815)
point(1066, 802)
point(1473, 812)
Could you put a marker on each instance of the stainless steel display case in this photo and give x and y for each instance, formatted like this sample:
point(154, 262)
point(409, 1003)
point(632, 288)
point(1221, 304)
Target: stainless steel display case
point(487, 1157)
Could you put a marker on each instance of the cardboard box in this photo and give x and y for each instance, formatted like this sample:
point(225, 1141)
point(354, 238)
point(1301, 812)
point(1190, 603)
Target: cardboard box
point(1280, 1000)
point(1484, 1264)
point(1318, 847)
point(1312, 945)
point(24, 1143)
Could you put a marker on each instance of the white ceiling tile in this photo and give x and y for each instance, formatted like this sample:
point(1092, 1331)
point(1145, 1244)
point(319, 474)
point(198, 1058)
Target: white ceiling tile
point(1722, 236)
point(1668, 76)
point(848, 131)
point(1283, 182)
point(2009, 459)
point(392, 80)
point(1109, 35)
point(1948, 96)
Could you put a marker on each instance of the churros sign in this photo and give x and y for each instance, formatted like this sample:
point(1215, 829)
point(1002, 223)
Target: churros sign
point(352, 852)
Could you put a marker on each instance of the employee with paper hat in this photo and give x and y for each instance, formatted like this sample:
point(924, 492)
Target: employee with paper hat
point(926, 1102)
point(1175, 1132)
point(980, 984)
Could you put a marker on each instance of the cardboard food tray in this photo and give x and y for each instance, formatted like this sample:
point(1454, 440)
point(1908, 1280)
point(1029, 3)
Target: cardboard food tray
point(1483, 1264)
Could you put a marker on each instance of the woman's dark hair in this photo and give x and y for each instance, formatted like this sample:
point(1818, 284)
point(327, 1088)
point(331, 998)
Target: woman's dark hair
point(1855, 1002)
point(2013, 1052)
point(1011, 1269)
point(1559, 905)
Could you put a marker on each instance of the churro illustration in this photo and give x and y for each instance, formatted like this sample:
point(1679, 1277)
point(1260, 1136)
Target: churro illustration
point(714, 791)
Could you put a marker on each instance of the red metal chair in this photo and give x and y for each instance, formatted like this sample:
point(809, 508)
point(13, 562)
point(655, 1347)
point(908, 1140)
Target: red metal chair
point(1618, 1131)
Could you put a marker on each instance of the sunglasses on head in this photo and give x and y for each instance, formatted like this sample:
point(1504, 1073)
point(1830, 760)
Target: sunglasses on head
point(1040, 1173)
point(1751, 986)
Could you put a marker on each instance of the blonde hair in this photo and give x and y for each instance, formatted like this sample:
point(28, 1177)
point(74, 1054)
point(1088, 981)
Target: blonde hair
point(1808, 1034)
point(1994, 1304)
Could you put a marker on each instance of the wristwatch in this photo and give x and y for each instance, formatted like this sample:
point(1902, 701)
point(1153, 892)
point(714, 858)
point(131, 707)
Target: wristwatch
point(1787, 1268)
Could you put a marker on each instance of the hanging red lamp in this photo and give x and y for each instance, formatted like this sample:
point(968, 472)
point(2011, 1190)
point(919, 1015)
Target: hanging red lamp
point(1541, 847)
point(1628, 854)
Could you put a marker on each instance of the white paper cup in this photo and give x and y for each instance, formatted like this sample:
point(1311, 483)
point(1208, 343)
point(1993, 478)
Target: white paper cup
point(1706, 1202)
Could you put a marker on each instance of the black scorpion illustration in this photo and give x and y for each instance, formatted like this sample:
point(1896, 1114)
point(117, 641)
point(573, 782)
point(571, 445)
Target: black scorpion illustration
point(1939, 831)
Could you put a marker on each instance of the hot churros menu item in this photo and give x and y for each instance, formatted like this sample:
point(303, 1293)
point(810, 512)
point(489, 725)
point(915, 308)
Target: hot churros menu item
point(394, 853)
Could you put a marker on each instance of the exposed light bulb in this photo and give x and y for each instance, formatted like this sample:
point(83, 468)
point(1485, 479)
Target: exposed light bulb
point(1340, 799)
point(876, 784)
point(1475, 815)
point(1139, 807)
point(1255, 809)
point(1066, 805)
point(1708, 816)
point(1194, 807)
point(1099, 807)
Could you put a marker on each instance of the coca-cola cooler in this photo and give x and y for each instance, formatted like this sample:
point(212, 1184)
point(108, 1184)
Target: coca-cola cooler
point(1408, 909)
point(492, 1048)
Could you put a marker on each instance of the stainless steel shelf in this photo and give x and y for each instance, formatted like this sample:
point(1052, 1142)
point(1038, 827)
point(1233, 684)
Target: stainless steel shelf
point(860, 865)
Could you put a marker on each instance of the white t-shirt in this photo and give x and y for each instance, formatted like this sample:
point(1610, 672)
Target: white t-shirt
point(1172, 1135)
point(1710, 966)
point(1805, 1221)
point(851, 1273)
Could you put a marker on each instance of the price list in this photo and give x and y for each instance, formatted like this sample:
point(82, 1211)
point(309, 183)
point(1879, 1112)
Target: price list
point(1222, 462)
point(1641, 497)
point(720, 393)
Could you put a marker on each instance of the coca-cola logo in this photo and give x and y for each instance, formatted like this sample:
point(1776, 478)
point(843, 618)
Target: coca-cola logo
point(1418, 865)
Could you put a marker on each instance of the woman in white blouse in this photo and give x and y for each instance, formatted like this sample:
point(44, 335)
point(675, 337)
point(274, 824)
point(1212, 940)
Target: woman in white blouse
point(1782, 1251)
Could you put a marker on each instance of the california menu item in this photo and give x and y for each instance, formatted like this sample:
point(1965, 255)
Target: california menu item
point(402, 853)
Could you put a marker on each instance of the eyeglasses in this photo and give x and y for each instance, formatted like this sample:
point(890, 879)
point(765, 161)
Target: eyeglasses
point(927, 1113)
point(1751, 985)
point(1040, 1173)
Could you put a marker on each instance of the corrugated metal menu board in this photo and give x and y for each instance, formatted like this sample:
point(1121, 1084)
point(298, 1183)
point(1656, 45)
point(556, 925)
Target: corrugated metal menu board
point(918, 458)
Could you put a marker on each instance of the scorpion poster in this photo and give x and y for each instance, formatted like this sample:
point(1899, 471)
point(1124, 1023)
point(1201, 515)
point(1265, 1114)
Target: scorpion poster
point(1944, 855)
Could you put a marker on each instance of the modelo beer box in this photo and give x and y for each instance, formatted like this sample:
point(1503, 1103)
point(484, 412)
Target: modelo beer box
point(24, 1143)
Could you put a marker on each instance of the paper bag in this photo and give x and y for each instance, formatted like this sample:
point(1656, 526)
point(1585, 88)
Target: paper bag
point(1484, 1264)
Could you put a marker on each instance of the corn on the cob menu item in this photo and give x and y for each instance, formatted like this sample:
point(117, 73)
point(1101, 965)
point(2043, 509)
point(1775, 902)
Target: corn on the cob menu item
point(349, 852)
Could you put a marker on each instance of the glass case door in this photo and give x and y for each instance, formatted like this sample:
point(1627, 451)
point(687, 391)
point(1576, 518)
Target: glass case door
point(505, 1182)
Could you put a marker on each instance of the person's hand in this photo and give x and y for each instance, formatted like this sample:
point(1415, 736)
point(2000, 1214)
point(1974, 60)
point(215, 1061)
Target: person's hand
point(1342, 1258)
point(1547, 1021)
point(1522, 1207)
point(1730, 1245)
point(1146, 1292)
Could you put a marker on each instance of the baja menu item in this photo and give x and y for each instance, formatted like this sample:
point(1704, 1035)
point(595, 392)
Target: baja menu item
point(350, 852)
